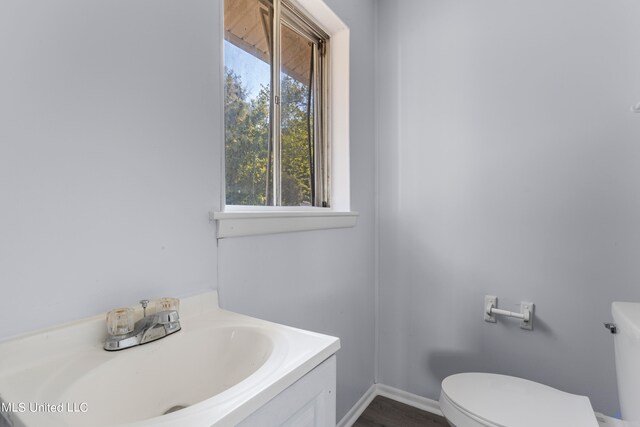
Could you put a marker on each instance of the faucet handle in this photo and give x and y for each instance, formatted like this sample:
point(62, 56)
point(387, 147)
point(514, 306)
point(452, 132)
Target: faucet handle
point(164, 304)
point(120, 321)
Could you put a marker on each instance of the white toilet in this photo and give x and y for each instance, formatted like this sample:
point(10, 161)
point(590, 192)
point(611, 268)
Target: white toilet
point(490, 400)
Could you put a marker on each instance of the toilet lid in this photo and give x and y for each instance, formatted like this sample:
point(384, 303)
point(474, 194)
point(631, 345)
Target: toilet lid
point(504, 401)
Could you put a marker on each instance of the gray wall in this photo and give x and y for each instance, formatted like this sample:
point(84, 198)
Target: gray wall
point(108, 151)
point(323, 280)
point(110, 142)
point(509, 165)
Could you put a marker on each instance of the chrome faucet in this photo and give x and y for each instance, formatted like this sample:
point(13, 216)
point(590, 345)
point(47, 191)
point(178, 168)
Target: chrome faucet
point(122, 334)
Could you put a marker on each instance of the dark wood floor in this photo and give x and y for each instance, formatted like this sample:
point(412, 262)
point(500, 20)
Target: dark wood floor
point(384, 412)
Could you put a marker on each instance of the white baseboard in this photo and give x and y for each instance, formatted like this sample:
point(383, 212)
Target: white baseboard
point(401, 396)
point(350, 418)
point(410, 399)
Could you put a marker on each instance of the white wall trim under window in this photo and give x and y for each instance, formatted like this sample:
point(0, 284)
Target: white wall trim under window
point(267, 221)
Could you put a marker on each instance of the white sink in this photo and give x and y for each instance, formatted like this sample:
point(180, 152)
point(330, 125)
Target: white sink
point(220, 368)
point(141, 388)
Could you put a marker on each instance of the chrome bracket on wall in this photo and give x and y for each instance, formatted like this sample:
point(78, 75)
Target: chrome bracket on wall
point(491, 310)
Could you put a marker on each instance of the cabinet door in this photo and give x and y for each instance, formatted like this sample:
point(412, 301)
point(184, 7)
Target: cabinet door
point(309, 402)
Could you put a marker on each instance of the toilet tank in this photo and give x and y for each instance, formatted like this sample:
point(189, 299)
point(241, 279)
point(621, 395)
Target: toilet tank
point(626, 316)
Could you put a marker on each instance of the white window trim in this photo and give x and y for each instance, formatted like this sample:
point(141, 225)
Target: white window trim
point(235, 221)
point(252, 222)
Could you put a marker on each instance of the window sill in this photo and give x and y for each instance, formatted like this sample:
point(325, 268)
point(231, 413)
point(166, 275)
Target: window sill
point(236, 223)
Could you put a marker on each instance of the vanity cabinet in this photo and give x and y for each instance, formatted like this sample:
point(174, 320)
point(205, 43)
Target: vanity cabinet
point(309, 402)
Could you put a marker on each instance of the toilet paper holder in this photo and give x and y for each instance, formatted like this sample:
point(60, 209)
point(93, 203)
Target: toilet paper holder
point(491, 310)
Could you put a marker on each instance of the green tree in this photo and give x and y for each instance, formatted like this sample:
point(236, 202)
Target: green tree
point(247, 143)
point(296, 170)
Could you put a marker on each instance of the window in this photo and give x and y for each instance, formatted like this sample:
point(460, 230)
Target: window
point(276, 101)
point(286, 158)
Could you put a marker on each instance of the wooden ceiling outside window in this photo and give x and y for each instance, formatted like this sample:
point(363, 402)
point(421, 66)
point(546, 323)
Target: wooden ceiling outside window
point(247, 25)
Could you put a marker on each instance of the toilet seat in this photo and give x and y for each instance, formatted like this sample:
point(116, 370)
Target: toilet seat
point(491, 400)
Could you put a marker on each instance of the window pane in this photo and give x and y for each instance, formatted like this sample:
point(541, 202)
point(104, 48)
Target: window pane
point(296, 77)
point(247, 63)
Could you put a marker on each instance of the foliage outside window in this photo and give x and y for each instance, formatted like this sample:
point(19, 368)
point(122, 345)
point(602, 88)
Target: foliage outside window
point(275, 106)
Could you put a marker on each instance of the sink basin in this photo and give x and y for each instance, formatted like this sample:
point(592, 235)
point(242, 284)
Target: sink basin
point(142, 389)
point(217, 370)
